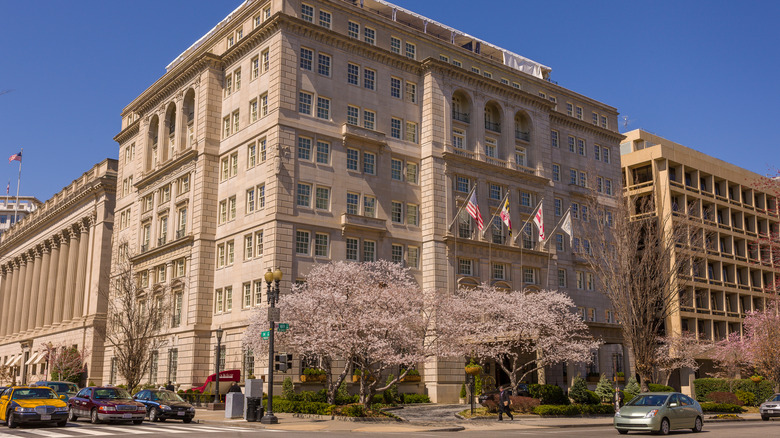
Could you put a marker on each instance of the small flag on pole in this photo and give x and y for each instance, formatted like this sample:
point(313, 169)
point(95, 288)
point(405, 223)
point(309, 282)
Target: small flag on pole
point(15, 157)
point(473, 210)
point(566, 225)
point(505, 215)
point(539, 221)
point(8, 187)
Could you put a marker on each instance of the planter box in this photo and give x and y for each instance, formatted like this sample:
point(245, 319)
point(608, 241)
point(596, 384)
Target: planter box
point(321, 378)
point(356, 379)
point(620, 379)
point(408, 379)
point(593, 379)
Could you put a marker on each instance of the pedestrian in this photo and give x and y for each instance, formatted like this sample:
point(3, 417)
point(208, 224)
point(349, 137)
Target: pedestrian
point(503, 404)
point(234, 387)
point(170, 386)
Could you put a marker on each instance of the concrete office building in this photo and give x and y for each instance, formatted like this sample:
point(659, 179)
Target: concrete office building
point(54, 265)
point(11, 211)
point(729, 273)
point(296, 133)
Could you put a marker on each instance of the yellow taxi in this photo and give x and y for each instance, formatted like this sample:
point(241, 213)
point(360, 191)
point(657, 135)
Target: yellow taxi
point(32, 404)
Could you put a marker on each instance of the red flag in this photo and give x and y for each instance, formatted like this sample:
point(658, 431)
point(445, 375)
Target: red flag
point(539, 221)
point(15, 157)
point(473, 210)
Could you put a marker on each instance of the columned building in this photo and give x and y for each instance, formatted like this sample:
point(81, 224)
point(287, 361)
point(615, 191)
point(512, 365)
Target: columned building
point(301, 132)
point(730, 273)
point(54, 266)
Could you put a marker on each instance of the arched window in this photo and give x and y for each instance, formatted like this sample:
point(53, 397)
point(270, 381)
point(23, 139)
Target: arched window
point(492, 117)
point(522, 126)
point(189, 119)
point(460, 107)
point(152, 143)
point(170, 133)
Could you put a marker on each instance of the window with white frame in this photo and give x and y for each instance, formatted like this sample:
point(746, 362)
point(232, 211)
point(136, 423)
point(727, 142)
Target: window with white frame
point(369, 206)
point(490, 147)
point(556, 172)
point(353, 30)
point(558, 206)
point(352, 249)
point(307, 12)
point(352, 159)
point(306, 59)
point(529, 275)
point(369, 119)
point(322, 198)
point(580, 280)
point(572, 143)
point(590, 284)
point(395, 127)
point(462, 184)
point(561, 278)
point(520, 157)
point(395, 45)
point(249, 246)
point(369, 35)
point(411, 51)
point(396, 166)
point(303, 198)
point(258, 243)
point(411, 92)
point(581, 147)
point(495, 191)
point(369, 251)
point(396, 212)
point(321, 244)
point(304, 148)
point(412, 214)
point(395, 88)
point(500, 271)
point(323, 64)
point(465, 267)
point(323, 108)
point(323, 152)
point(302, 242)
point(411, 173)
point(352, 115)
point(325, 19)
point(353, 74)
point(458, 138)
point(369, 79)
point(397, 254)
point(411, 132)
point(413, 256)
point(305, 102)
point(369, 163)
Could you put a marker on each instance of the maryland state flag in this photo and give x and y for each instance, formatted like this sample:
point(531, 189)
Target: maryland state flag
point(505, 215)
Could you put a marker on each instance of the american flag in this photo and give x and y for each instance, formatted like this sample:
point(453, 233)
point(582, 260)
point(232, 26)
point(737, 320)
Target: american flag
point(473, 210)
point(539, 221)
point(15, 157)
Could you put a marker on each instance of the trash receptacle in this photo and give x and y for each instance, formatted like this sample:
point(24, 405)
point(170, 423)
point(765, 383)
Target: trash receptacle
point(253, 405)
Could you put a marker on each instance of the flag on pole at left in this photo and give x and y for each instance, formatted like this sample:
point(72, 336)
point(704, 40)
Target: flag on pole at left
point(15, 157)
point(505, 215)
point(539, 221)
point(473, 210)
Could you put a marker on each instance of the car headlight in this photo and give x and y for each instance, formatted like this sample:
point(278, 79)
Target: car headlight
point(61, 409)
point(107, 408)
point(191, 409)
point(651, 413)
point(21, 409)
point(165, 407)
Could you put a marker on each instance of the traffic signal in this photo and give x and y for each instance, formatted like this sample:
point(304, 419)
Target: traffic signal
point(283, 362)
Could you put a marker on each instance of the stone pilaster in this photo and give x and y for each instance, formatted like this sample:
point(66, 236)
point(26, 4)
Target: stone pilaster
point(59, 294)
point(34, 303)
point(81, 273)
point(70, 282)
point(43, 284)
point(11, 277)
point(25, 274)
point(51, 283)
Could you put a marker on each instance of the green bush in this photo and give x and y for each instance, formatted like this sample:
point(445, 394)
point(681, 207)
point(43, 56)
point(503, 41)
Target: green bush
point(578, 392)
point(463, 391)
point(410, 372)
point(320, 396)
point(573, 410)
point(414, 398)
point(762, 390)
point(314, 408)
point(390, 395)
point(631, 389)
point(548, 394)
point(477, 385)
point(288, 391)
point(313, 372)
point(723, 397)
point(654, 387)
point(599, 409)
point(710, 407)
point(604, 389)
point(342, 395)
point(745, 397)
point(353, 411)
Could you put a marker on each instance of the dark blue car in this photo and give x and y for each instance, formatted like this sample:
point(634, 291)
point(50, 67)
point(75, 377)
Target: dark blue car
point(162, 404)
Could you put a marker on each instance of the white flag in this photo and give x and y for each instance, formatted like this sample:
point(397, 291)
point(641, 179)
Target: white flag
point(566, 225)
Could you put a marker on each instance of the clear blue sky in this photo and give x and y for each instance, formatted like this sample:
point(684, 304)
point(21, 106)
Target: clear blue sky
point(701, 73)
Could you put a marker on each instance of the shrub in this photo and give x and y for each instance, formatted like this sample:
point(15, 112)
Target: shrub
point(620, 374)
point(631, 389)
point(410, 372)
point(415, 398)
point(477, 385)
point(598, 409)
point(746, 398)
point(593, 398)
point(343, 397)
point(724, 398)
point(654, 387)
point(548, 394)
point(762, 390)
point(288, 392)
point(710, 407)
point(579, 391)
point(491, 406)
point(463, 391)
point(390, 395)
point(523, 405)
point(353, 411)
point(568, 410)
point(604, 389)
point(314, 408)
point(313, 372)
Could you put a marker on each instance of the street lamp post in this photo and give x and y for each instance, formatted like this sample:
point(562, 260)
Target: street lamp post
point(219, 353)
point(273, 297)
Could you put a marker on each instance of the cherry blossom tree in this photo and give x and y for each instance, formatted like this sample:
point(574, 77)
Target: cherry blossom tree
point(372, 317)
point(521, 331)
point(729, 357)
point(65, 362)
point(762, 341)
point(675, 352)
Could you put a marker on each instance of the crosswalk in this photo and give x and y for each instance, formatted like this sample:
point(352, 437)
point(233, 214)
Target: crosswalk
point(86, 430)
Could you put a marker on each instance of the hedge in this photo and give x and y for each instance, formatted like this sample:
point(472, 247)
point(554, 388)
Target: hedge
point(727, 408)
point(548, 394)
point(315, 408)
point(762, 390)
point(573, 410)
point(414, 398)
point(523, 405)
point(654, 387)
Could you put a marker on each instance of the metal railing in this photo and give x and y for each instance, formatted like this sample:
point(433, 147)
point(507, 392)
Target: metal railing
point(493, 126)
point(461, 117)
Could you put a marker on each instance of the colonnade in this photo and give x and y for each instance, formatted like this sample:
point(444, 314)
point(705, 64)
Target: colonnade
point(45, 285)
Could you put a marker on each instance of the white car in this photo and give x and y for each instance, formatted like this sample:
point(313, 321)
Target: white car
point(770, 408)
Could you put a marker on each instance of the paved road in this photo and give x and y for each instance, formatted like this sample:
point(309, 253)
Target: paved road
point(85, 430)
point(747, 429)
point(430, 414)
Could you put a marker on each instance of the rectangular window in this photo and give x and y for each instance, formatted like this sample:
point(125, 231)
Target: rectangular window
point(397, 254)
point(369, 163)
point(583, 181)
point(571, 143)
point(589, 283)
point(307, 13)
point(247, 296)
point(395, 169)
point(579, 112)
point(411, 132)
point(225, 132)
point(219, 301)
point(352, 115)
point(369, 251)
point(323, 64)
point(325, 19)
point(264, 56)
point(261, 196)
point(498, 271)
point(307, 57)
point(569, 109)
point(323, 108)
point(525, 199)
point(369, 119)
point(369, 79)
point(395, 45)
point(353, 30)
point(352, 159)
point(353, 73)
point(396, 212)
point(595, 118)
point(303, 198)
point(395, 87)
point(581, 146)
point(608, 186)
point(352, 249)
point(302, 242)
point(413, 256)
point(178, 298)
point(520, 157)
point(600, 184)
point(458, 138)
point(529, 276)
point(369, 206)
point(304, 148)
point(250, 200)
point(605, 155)
point(264, 105)
point(573, 176)
point(228, 84)
point(258, 292)
point(556, 172)
point(494, 191)
point(369, 35)
point(249, 247)
point(321, 244)
point(304, 103)
point(258, 244)
point(395, 128)
point(487, 74)
point(475, 70)
point(228, 300)
point(262, 150)
point(597, 152)
point(235, 122)
point(559, 242)
point(580, 280)
point(604, 122)
point(222, 212)
point(237, 79)
point(353, 200)
point(323, 198)
point(255, 63)
point(253, 110)
point(462, 184)
point(575, 210)
point(561, 278)
point(411, 173)
point(411, 51)
point(444, 58)
point(558, 206)
point(457, 63)
point(411, 92)
point(230, 248)
point(465, 267)
point(323, 152)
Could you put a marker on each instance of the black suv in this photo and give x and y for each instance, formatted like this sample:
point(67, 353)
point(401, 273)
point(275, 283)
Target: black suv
point(521, 390)
point(162, 404)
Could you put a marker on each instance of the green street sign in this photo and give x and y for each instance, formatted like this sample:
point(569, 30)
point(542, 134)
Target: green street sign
point(283, 326)
point(266, 334)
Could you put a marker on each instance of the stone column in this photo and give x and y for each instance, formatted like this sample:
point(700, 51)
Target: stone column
point(25, 275)
point(32, 308)
point(11, 305)
point(7, 290)
point(43, 284)
point(51, 284)
point(3, 289)
point(81, 272)
point(59, 294)
point(70, 282)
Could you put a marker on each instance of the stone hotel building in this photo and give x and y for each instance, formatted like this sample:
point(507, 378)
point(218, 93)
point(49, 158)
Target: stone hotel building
point(301, 132)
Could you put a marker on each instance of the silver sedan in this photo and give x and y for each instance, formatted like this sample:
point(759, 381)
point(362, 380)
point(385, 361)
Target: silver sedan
point(770, 408)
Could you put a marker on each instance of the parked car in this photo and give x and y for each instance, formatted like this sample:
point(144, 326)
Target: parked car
point(162, 404)
point(28, 404)
point(520, 390)
point(105, 403)
point(68, 389)
point(659, 412)
point(770, 408)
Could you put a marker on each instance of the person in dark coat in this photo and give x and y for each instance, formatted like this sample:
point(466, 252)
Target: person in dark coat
point(234, 387)
point(503, 404)
point(170, 386)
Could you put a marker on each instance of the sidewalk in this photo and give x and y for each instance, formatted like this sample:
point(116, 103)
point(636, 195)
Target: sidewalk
point(291, 422)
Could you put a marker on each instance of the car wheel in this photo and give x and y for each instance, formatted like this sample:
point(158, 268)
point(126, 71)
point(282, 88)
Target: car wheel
point(765, 418)
point(10, 421)
point(93, 416)
point(664, 429)
point(72, 415)
point(697, 425)
point(154, 415)
point(622, 431)
point(138, 421)
point(62, 423)
point(187, 420)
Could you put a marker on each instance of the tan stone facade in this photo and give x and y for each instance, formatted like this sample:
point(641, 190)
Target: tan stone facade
point(55, 269)
point(316, 131)
point(728, 275)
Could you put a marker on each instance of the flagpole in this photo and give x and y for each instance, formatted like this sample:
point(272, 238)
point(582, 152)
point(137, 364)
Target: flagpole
point(522, 229)
point(457, 215)
point(18, 182)
point(558, 224)
point(500, 204)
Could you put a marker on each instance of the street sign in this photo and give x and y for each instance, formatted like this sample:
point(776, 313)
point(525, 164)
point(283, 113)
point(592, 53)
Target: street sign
point(265, 335)
point(283, 326)
point(273, 314)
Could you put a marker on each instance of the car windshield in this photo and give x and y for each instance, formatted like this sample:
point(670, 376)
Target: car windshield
point(111, 393)
point(166, 396)
point(648, 400)
point(63, 387)
point(775, 398)
point(29, 393)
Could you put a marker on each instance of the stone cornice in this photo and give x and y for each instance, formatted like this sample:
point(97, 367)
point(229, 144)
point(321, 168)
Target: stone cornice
point(581, 125)
point(155, 252)
point(450, 238)
point(491, 169)
point(128, 133)
point(254, 39)
point(167, 168)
